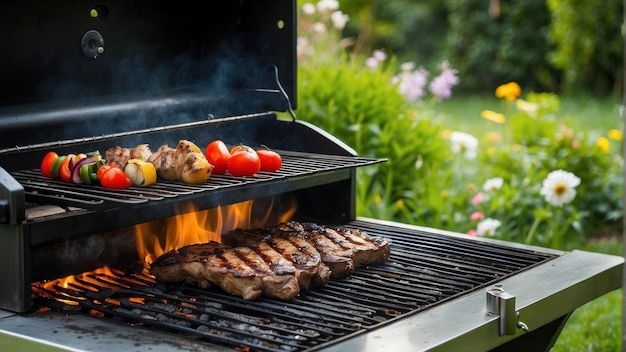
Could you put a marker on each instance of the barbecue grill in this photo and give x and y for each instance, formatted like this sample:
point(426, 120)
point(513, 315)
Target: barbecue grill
point(83, 76)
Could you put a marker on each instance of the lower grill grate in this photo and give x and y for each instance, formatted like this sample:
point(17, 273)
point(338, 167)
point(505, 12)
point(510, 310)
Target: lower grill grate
point(425, 269)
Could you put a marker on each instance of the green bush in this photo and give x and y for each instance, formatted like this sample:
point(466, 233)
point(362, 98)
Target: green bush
point(489, 50)
point(531, 145)
point(435, 177)
point(589, 44)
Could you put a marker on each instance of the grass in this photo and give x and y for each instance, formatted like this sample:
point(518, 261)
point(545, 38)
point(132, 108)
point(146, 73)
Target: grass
point(596, 326)
point(594, 113)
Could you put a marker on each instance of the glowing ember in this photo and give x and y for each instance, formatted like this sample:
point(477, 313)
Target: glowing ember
point(154, 239)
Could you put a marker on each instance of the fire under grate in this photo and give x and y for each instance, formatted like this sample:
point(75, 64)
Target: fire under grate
point(425, 269)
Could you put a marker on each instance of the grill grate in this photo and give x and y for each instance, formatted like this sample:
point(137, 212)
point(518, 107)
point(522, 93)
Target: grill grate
point(39, 189)
point(424, 269)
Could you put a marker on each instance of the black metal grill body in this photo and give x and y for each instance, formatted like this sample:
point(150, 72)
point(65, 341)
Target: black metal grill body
point(86, 76)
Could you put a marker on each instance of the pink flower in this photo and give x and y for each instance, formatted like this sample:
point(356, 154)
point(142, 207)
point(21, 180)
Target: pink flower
point(477, 215)
point(477, 198)
point(472, 233)
point(575, 144)
point(411, 83)
point(441, 86)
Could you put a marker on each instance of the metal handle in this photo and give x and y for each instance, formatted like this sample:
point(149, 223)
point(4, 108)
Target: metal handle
point(503, 304)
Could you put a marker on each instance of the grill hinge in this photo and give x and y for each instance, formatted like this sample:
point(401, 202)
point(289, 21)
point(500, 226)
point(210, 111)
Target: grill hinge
point(12, 199)
point(503, 304)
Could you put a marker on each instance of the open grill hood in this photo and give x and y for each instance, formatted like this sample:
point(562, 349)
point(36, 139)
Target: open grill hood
point(90, 76)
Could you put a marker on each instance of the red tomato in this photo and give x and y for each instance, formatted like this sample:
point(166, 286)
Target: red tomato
point(47, 162)
point(270, 160)
point(244, 162)
point(101, 170)
point(113, 177)
point(239, 147)
point(217, 154)
point(65, 170)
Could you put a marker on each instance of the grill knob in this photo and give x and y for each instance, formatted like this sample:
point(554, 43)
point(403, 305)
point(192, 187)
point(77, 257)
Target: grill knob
point(92, 44)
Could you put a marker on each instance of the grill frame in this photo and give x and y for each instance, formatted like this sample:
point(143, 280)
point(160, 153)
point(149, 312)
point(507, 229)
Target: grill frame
point(545, 295)
point(425, 270)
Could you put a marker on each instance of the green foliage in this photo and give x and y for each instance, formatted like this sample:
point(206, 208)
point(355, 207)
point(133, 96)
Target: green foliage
point(490, 49)
point(362, 108)
point(589, 43)
point(595, 326)
point(532, 145)
point(410, 30)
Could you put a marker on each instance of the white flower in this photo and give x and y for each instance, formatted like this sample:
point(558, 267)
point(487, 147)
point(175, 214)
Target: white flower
point(327, 5)
point(379, 55)
point(371, 63)
point(339, 19)
point(319, 27)
point(493, 184)
point(308, 8)
point(487, 227)
point(558, 187)
point(419, 162)
point(464, 143)
point(407, 66)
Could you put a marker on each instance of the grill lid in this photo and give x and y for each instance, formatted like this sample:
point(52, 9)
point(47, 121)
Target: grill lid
point(67, 63)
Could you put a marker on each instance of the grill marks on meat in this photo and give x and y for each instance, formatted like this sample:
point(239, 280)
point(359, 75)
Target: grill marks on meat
point(277, 262)
point(240, 271)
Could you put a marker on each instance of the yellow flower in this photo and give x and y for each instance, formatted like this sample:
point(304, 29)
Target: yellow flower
point(493, 116)
point(444, 194)
point(446, 133)
point(377, 199)
point(492, 150)
point(471, 187)
point(529, 108)
point(400, 203)
point(510, 91)
point(603, 144)
point(615, 134)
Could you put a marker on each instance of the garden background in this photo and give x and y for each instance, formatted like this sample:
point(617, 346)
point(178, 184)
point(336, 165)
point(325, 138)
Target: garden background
point(498, 119)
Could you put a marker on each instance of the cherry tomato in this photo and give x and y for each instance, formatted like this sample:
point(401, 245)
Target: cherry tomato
point(217, 154)
point(65, 170)
point(238, 148)
point(113, 177)
point(47, 162)
point(244, 162)
point(270, 160)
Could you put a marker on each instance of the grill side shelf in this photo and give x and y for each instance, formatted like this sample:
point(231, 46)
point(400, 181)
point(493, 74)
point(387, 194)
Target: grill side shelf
point(42, 190)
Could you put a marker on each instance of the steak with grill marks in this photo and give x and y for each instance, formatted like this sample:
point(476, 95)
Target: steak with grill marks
point(242, 271)
point(275, 261)
point(310, 271)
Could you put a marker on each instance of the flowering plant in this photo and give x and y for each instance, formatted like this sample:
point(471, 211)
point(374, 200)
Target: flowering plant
point(542, 181)
point(552, 180)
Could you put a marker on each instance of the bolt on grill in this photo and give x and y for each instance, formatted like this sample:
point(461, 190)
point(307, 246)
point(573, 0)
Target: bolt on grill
point(424, 269)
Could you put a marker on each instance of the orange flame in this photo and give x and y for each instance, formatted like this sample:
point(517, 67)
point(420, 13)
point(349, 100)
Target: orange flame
point(191, 227)
point(157, 237)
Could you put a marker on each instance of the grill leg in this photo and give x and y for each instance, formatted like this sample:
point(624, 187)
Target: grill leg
point(541, 339)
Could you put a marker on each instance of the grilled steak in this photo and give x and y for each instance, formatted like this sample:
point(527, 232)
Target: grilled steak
point(241, 271)
point(277, 261)
point(310, 271)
